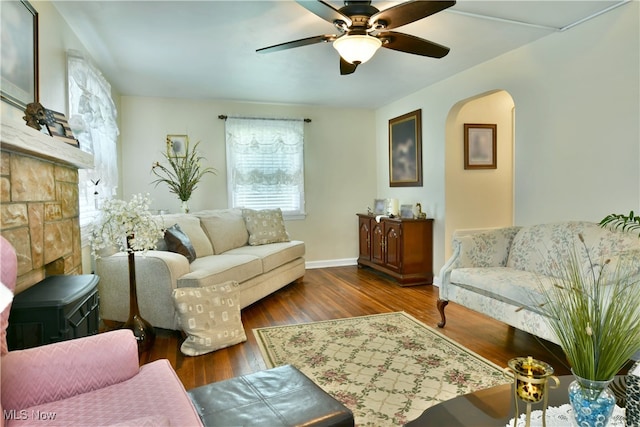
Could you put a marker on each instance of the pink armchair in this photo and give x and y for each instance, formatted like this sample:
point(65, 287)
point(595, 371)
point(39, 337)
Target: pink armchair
point(92, 381)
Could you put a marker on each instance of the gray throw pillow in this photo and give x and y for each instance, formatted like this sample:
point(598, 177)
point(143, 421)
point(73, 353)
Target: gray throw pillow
point(179, 242)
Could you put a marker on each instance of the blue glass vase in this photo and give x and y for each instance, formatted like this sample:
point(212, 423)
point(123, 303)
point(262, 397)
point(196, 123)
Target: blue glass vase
point(592, 401)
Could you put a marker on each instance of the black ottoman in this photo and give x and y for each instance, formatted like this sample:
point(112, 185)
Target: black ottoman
point(281, 396)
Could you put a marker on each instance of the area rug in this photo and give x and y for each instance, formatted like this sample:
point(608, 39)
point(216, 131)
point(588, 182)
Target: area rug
point(387, 368)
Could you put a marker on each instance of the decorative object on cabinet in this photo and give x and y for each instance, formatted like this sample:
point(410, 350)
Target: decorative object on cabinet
point(184, 171)
point(379, 206)
point(405, 150)
point(19, 54)
point(480, 146)
point(406, 211)
point(391, 207)
point(418, 213)
point(399, 247)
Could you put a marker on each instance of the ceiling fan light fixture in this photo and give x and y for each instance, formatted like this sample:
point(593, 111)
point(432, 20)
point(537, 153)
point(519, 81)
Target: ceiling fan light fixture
point(357, 49)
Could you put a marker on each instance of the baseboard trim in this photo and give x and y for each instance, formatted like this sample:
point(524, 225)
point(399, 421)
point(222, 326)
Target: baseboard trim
point(331, 263)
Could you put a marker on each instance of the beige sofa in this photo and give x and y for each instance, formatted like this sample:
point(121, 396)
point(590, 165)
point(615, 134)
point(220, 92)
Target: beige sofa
point(221, 240)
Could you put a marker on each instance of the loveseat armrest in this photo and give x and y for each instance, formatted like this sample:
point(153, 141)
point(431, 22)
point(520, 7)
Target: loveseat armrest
point(484, 248)
point(477, 248)
point(64, 369)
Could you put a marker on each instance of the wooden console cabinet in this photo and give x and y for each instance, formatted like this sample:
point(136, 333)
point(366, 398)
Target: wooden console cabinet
point(399, 247)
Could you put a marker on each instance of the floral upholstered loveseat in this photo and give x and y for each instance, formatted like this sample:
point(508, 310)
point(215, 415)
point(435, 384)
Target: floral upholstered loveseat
point(498, 272)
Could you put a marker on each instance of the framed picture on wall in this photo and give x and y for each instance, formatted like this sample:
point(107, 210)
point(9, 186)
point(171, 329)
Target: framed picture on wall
point(177, 145)
point(19, 53)
point(405, 150)
point(480, 146)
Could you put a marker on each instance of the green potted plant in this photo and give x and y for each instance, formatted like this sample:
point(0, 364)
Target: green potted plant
point(182, 174)
point(629, 223)
point(593, 310)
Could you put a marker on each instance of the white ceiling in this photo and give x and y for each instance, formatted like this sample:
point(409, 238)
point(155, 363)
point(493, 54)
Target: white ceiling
point(207, 49)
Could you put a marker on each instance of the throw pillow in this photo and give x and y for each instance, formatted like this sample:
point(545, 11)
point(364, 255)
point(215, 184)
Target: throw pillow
point(225, 228)
point(265, 226)
point(210, 316)
point(179, 242)
point(190, 225)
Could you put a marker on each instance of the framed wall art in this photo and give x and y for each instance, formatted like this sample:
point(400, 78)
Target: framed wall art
point(405, 150)
point(480, 146)
point(379, 206)
point(177, 145)
point(19, 53)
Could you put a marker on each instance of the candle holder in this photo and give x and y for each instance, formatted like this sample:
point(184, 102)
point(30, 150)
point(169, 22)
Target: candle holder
point(531, 378)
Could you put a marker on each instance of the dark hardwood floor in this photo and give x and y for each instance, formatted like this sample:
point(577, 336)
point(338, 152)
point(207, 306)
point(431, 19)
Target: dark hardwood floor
point(332, 293)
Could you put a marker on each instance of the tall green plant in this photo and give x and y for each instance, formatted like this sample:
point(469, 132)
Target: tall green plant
point(630, 223)
point(594, 312)
point(183, 174)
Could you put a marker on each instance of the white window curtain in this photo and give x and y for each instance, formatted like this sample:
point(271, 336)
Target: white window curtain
point(265, 164)
point(92, 118)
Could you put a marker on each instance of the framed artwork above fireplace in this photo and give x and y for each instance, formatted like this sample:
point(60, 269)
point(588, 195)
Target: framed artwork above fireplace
point(19, 53)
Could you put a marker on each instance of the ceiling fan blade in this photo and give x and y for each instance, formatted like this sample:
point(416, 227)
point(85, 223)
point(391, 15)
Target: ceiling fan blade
point(325, 11)
point(407, 12)
point(347, 67)
point(412, 44)
point(298, 43)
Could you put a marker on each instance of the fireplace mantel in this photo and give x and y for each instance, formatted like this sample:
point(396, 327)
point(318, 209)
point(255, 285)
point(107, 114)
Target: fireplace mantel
point(20, 138)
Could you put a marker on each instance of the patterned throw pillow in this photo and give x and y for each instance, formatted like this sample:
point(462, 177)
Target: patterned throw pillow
point(179, 242)
point(210, 316)
point(265, 226)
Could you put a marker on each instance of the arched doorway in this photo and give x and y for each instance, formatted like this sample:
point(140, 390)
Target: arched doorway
point(479, 198)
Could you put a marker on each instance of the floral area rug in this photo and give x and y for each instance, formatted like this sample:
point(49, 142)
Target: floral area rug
point(387, 368)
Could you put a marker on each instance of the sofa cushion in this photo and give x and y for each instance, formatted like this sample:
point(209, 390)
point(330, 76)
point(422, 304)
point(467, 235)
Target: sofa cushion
point(517, 287)
point(265, 226)
point(273, 255)
point(178, 242)
point(216, 269)
point(210, 317)
point(226, 228)
point(190, 225)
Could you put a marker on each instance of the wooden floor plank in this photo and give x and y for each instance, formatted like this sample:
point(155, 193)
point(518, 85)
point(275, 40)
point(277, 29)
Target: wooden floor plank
point(338, 292)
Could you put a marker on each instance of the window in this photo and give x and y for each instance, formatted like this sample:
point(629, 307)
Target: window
point(265, 164)
point(92, 117)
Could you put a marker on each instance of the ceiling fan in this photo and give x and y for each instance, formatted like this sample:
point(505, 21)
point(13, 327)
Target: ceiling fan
point(363, 29)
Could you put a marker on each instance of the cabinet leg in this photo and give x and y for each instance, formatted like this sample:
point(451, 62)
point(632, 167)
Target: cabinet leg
point(441, 305)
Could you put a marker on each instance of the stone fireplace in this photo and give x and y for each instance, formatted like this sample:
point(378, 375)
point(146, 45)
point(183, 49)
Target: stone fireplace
point(39, 202)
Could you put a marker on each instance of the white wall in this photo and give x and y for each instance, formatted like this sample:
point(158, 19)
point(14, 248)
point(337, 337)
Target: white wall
point(577, 138)
point(479, 198)
point(340, 174)
point(55, 38)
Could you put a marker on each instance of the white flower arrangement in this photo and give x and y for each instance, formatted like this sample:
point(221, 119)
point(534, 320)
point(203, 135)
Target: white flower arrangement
point(129, 226)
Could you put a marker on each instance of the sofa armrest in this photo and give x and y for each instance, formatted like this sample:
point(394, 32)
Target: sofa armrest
point(64, 369)
point(157, 273)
